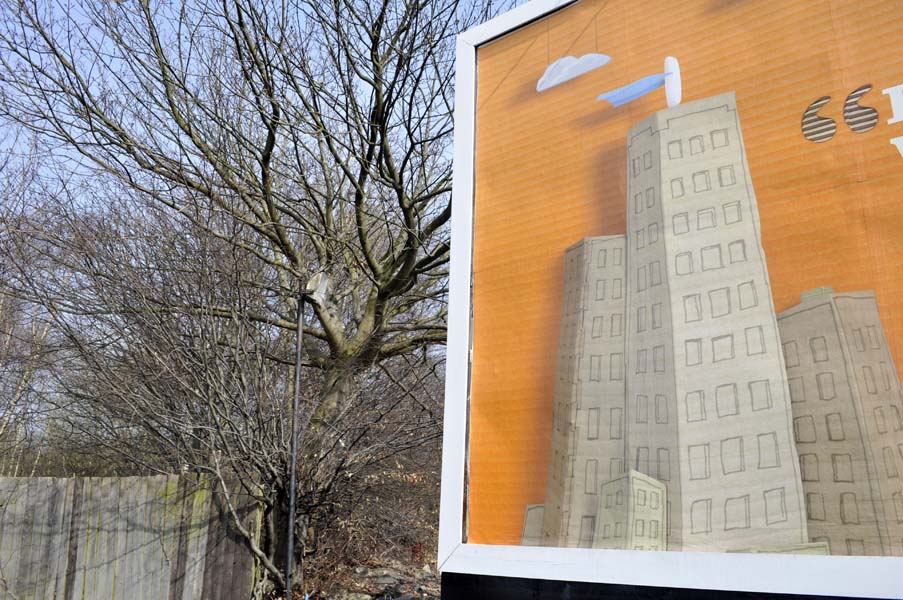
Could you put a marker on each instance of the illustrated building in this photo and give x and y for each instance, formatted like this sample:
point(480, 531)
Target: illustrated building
point(707, 409)
point(848, 421)
point(631, 513)
point(587, 442)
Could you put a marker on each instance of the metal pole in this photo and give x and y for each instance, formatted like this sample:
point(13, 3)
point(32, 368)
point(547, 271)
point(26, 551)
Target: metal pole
point(293, 452)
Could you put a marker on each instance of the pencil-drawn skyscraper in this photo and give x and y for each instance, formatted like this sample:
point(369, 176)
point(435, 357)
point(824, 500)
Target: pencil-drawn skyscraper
point(588, 412)
point(848, 421)
point(707, 409)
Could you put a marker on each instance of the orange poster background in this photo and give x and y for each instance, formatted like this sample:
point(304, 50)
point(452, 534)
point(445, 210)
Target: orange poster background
point(550, 169)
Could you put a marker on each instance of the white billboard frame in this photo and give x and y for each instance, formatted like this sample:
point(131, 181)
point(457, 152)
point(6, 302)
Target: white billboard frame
point(853, 576)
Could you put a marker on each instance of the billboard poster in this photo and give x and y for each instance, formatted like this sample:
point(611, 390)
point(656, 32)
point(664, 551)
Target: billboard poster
point(686, 303)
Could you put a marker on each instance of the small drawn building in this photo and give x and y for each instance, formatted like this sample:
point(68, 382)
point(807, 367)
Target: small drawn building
point(631, 513)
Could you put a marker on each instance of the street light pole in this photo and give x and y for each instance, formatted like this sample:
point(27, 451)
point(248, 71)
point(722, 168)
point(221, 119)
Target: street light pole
point(316, 292)
point(293, 451)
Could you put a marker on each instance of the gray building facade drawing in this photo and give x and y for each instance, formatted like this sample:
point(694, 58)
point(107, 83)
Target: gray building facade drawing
point(707, 410)
point(588, 409)
point(848, 421)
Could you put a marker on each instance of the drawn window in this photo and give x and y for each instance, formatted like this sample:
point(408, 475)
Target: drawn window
point(639, 528)
point(591, 476)
point(692, 308)
point(747, 293)
point(858, 340)
point(616, 366)
point(675, 149)
point(880, 420)
point(640, 237)
point(701, 182)
point(641, 497)
point(592, 424)
point(726, 400)
point(768, 450)
point(797, 389)
point(655, 273)
point(601, 257)
point(701, 516)
point(658, 359)
point(696, 146)
point(616, 325)
point(693, 352)
point(638, 203)
point(699, 461)
point(617, 288)
point(636, 166)
point(834, 424)
point(723, 347)
point(825, 382)
point(719, 138)
point(677, 187)
point(886, 376)
point(809, 467)
point(898, 420)
point(755, 341)
point(657, 315)
point(737, 251)
point(597, 327)
point(617, 257)
point(874, 340)
point(642, 459)
point(650, 197)
point(653, 498)
point(819, 349)
point(614, 426)
point(849, 508)
point(869, 377)
point(661, 409)
point(705, 218)
point(726, 176)
point(804, 429)
point(760, 394)
point(641, 319)
point(595, 367)
point(647, 160)
point(775, 507)
point(664, 471)
point(732, 455)
point(695, 406)
point(731, 213)
point(815, 506)
point(641, 278)
point(653, 529)
point(642, 410)
point(711, 258)
point(898, 506)
point(680, 223)
point(736, 513)
point(587, 525)
point(720, 302)
point(842, 465)
point(652, 233)
point(600, 289)
point(683, 263)
point(890, 465)
point(791, 355)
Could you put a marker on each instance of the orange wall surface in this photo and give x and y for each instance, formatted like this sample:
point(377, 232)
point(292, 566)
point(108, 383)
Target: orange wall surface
point(551, 169)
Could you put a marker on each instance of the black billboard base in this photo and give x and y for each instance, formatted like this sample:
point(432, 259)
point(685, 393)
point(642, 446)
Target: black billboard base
point(461, 586)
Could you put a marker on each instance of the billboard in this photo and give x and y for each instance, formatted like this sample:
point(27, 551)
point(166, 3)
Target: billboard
point(676, 305)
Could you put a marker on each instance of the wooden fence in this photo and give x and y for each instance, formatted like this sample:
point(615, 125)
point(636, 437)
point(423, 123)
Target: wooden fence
point(131, 538)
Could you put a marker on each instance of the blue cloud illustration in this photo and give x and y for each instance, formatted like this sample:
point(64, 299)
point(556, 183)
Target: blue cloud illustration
point(570, 67)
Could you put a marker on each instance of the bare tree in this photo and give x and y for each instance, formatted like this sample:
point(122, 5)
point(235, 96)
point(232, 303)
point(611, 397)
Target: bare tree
point(275, 140)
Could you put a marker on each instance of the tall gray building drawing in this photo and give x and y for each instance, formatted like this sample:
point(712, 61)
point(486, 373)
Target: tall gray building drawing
point(848, 421)
point(680, 375)
point(708, 411)
point(588, 410)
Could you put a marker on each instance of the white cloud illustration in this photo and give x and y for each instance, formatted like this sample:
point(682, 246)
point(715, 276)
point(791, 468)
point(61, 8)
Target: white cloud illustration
point(569, 67)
